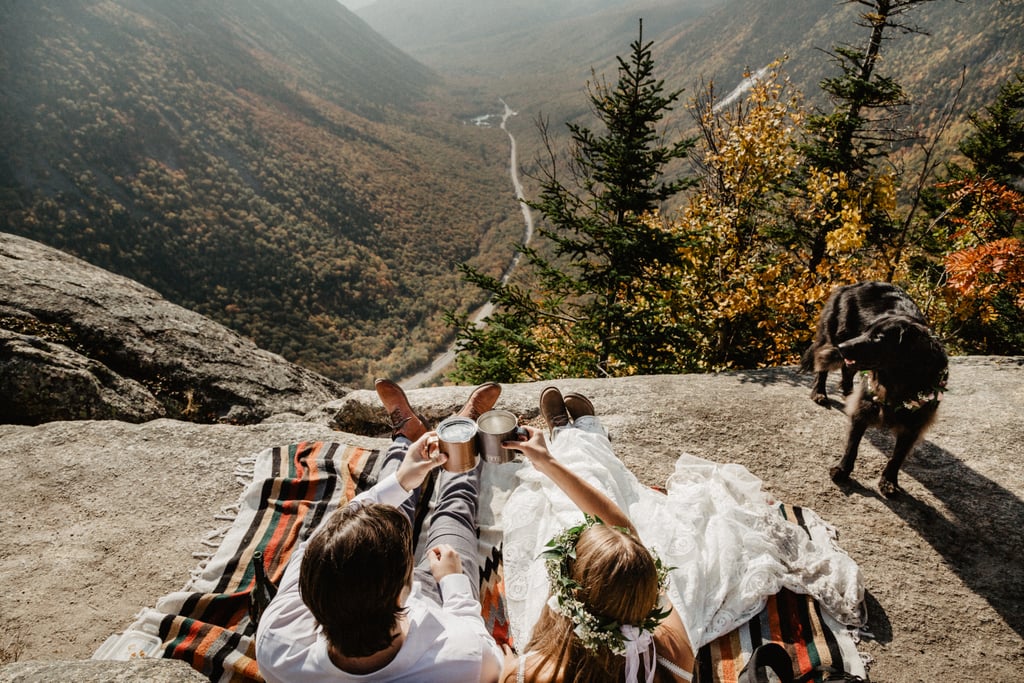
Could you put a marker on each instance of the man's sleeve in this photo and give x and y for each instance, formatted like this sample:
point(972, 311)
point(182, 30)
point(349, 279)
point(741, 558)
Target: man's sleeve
point(457, 598)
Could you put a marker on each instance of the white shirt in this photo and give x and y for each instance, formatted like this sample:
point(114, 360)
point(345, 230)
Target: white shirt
point(444, 643)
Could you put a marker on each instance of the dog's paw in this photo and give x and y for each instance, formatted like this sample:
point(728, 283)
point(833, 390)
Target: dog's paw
point(820, 399)
point(838, 474)
point(889, 489)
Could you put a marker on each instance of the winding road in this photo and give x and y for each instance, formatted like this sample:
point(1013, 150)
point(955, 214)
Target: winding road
point(443, 360)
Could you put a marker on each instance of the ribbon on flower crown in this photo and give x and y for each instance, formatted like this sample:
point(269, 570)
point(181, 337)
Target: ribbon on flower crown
point(639, 651)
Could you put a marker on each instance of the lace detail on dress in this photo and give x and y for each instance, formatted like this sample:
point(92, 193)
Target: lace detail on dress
point(677, 670)
point(728, 544)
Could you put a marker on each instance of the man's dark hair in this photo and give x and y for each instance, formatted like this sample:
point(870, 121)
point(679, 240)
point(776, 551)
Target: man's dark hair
point(353, 574)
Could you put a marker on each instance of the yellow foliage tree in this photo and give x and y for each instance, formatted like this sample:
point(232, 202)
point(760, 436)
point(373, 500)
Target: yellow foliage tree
point(747, 294)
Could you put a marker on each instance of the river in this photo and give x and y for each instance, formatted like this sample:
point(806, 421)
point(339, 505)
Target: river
point(446, 358)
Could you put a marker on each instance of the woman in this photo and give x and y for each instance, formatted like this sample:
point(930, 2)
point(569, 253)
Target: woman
point(726, 545)
point(607, 618)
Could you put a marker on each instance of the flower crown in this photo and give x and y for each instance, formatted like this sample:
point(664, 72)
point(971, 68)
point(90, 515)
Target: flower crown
point(592, 630)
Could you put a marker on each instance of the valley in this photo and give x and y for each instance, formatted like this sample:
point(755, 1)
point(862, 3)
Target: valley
point(304, 174)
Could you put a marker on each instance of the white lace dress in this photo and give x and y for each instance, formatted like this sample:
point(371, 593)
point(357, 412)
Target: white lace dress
point(730, 547)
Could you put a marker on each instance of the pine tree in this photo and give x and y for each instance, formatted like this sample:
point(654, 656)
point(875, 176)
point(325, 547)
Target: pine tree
point(846, 142)
point(996, 148)
point(592, 305)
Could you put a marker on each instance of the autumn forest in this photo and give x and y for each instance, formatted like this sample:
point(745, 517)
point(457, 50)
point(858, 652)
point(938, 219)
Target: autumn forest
point(264, 186)
point(280, 167)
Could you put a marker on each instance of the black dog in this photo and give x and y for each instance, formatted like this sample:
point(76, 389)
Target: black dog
point(876, 328)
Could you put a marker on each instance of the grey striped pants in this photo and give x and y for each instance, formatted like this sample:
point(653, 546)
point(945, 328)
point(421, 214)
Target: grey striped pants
point(452, 520)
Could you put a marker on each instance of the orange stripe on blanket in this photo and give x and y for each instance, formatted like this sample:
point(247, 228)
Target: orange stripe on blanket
point(302, 469)
point(356, 458)
point(187, 642)
point(798, 635)
point(728, 651)
point(285, 535)
point(774, 626)
point(820, 641)
point(206, 645)
point(249, 669)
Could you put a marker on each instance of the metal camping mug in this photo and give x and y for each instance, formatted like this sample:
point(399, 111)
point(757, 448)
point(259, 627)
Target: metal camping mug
point(457, 437)
point(493, 427)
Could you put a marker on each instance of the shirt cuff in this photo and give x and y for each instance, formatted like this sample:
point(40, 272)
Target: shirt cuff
point(387, 491)
point(454, 584)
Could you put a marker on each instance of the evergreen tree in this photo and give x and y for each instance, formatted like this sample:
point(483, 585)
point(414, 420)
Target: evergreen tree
point(996, 148)
point(846, 143)
point(592, 307)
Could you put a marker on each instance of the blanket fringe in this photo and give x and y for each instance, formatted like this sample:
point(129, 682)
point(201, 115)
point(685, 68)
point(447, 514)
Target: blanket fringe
point(228, 513)
point(195, 574)
point(213, 538)
point(245, 469)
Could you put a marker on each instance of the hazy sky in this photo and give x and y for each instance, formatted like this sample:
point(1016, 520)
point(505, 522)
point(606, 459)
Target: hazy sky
point(356, 4)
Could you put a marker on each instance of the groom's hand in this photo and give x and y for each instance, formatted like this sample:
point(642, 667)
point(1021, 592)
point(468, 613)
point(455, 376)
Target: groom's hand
point(423, 455)
point(444, 560)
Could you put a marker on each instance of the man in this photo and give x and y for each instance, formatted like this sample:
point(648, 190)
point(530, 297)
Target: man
point(351, 605)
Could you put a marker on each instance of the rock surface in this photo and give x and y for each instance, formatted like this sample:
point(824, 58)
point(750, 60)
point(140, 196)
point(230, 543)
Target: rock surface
point(107, 499)
point(78, 342)
point(145, 671)
point(101, 517)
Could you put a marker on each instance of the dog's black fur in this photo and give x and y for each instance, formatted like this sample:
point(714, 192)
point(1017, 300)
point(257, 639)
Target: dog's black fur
point(875, 327)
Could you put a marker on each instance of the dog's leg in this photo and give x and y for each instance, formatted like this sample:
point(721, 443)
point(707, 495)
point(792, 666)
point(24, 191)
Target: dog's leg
point(841, 472)
point(818, 394)
point(905, 442)
point(847, 382)
point(863, 416)
point(825, 358)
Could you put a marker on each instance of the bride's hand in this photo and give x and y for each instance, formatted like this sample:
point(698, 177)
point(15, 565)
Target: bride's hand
point(534, 447)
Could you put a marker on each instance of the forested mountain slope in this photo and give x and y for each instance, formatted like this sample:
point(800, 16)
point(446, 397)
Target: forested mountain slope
point(491, 38)
point(982, 38)
point(542, 66)
point(273, 164)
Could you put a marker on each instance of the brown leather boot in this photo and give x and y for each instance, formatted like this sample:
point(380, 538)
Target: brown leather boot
point(404, 422)
point(552, 408)
point(481, 400)
point(577, 404)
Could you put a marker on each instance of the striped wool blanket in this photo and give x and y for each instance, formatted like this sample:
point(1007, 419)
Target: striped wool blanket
point(292, 488)
point(815, 641)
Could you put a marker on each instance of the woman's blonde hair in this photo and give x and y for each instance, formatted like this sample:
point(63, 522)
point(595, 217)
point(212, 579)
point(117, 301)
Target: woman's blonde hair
point(618, 580)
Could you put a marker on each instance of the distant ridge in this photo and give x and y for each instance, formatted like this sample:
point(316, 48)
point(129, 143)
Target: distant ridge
point(543, 59)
